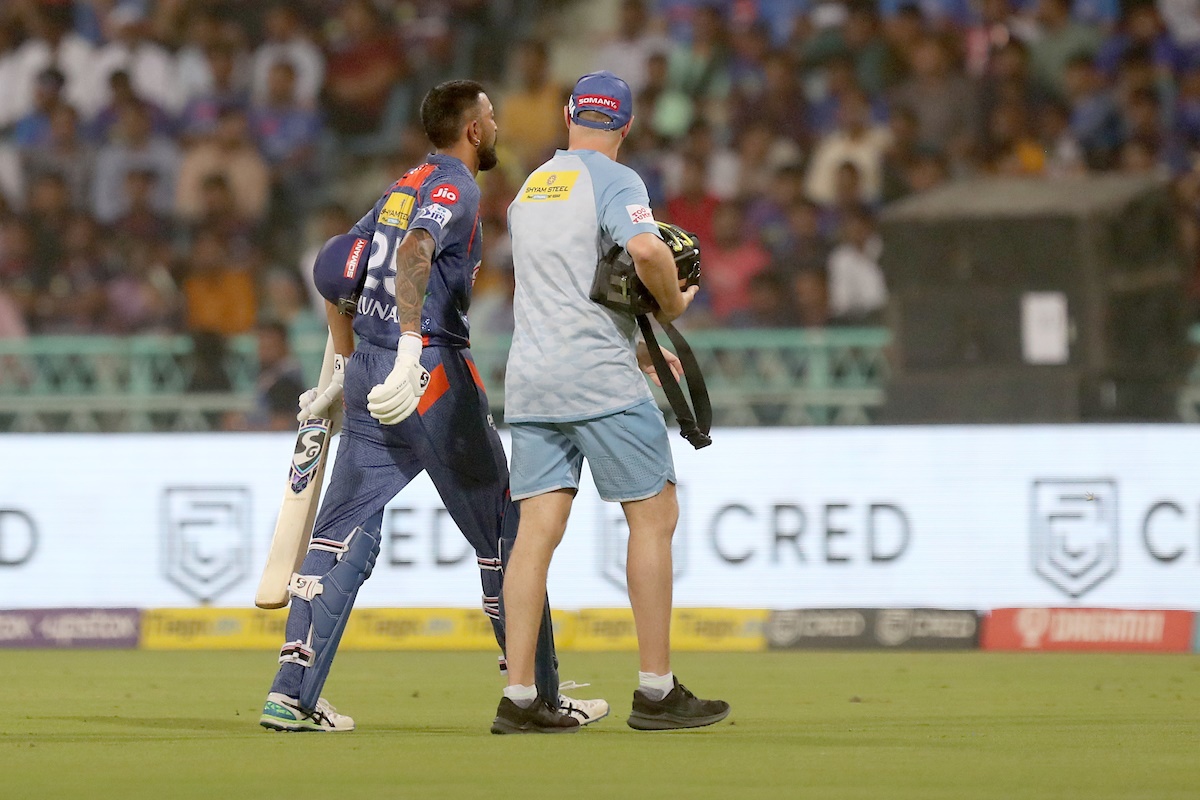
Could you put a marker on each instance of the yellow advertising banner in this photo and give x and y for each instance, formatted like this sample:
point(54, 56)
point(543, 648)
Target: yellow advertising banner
point(212, 629)
point(600, 629)
point(590, 630)
point(434, 629)
point(418, 629)
point(697, 629)
point(718, 629)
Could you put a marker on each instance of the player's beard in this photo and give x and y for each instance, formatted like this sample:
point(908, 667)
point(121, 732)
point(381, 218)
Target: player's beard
point(487, 156)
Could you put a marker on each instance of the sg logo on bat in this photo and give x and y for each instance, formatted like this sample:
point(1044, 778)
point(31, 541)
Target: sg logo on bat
point(310, 443)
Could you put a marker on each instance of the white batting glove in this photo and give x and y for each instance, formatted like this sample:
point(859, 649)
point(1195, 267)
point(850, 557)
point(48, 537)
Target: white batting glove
point(392, 401)
point(315, 403)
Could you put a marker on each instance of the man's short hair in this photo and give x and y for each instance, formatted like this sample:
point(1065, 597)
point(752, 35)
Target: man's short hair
point(594, 116)
point(444, 110)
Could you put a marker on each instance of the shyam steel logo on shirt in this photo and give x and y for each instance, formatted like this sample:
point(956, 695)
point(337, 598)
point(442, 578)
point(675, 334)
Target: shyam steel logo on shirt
point(548, 186)
point(396, 210)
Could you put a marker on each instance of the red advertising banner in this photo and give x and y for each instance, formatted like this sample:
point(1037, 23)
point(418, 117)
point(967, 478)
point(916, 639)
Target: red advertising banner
point(1088, 630)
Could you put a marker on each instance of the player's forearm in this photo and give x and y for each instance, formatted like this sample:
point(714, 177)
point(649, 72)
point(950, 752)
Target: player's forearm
point(654, 265)
point(414, 258)
point(341, 328)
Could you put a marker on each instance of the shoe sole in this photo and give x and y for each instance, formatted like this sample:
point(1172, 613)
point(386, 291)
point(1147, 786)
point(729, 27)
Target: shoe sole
point(593, 719)
point(671, 722)
point(503, 726)
point(275, 724)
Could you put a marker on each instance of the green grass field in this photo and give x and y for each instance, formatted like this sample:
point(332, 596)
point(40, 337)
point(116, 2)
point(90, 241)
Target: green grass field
point(823, 725)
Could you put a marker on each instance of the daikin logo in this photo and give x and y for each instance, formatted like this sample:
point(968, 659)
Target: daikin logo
point(1074, 532)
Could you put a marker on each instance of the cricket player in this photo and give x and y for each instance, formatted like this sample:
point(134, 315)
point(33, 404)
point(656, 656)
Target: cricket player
point(413, 401)
point(574, 392)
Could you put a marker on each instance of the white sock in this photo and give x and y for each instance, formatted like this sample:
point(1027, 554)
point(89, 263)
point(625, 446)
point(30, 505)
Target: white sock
point(523, 696)
point(656, 687)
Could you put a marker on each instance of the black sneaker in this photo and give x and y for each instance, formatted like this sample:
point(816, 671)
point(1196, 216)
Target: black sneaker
point(538, 718)
point(679, 709)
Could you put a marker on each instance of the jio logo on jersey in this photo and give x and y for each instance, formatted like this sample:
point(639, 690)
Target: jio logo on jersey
point(445, 194)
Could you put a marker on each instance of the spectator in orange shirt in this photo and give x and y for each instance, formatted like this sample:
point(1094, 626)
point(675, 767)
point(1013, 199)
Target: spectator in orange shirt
point(1012, 149)
point(220, 297)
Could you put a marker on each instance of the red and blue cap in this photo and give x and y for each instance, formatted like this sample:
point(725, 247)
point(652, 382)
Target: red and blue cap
point(604, 92)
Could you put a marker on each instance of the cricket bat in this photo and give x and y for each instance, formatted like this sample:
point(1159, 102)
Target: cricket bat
point(301, 497)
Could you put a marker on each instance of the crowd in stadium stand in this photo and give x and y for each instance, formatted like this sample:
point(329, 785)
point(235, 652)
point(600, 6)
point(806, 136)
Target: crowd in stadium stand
point(170, 166)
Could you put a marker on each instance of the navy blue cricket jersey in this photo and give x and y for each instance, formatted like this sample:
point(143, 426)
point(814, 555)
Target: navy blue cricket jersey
point(441, 198)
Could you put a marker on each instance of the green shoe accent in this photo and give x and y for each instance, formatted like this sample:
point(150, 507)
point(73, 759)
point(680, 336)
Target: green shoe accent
point(290, 725)
point(276, 711)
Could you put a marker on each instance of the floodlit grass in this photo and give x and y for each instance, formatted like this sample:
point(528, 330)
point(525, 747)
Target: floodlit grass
point(131, 724)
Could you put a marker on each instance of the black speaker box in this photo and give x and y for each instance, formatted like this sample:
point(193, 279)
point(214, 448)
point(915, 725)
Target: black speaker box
point(960, 260)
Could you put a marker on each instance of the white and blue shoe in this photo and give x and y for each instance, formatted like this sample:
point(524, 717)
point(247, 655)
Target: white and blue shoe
point(586, 711)
point(283, 713)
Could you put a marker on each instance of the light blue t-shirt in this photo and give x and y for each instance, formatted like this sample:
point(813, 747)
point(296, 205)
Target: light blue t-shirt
point(572, 358)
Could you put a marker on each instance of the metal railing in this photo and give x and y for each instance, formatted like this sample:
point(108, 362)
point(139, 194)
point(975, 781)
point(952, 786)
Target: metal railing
point(149, 383)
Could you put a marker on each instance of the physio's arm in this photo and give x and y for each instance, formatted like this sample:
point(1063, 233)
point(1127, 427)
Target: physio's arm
point(656, 267)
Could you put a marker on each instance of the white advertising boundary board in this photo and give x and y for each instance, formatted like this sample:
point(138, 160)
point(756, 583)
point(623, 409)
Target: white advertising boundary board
point(949, 517)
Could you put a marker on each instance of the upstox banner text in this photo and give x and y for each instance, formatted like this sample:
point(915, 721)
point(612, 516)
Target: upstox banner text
point(945, 517)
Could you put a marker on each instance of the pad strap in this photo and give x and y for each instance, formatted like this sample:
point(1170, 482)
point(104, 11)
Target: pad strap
point(329, 545)
point(296, 653)
point(491, 606)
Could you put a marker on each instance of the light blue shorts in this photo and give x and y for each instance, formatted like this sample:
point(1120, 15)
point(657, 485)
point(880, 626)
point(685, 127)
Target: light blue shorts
point(627, 452)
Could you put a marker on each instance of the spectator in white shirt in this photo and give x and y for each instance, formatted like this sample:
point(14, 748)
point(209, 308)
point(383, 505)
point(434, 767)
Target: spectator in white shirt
point(286, 40)
point(1182, 18)
point(855, 140)
point(149, 64)
point(52, 44)
point(203, 31)
point(857, 290)
point(628, 53)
